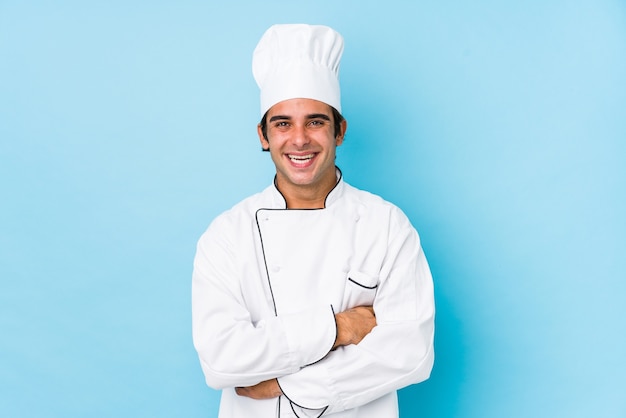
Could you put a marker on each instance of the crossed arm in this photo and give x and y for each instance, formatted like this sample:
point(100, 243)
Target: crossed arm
point(352, 326)
point(293, 353)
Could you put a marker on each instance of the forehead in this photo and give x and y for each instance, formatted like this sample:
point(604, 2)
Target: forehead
point(299, 108)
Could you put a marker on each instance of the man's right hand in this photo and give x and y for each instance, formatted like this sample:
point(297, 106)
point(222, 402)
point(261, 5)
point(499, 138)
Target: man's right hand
point(354, 324)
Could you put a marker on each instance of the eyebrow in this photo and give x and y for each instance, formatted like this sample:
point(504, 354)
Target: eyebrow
point(311, 116)
point(279, 117)
point(319, 116)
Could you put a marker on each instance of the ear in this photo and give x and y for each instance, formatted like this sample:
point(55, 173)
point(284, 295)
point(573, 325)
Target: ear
point(342, 132)
point(264, 142)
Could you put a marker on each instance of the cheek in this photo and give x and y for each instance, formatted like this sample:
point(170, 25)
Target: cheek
point(274, 153)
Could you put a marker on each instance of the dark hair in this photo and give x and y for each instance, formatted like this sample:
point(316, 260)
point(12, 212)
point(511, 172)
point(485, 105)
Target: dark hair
point(337, 119)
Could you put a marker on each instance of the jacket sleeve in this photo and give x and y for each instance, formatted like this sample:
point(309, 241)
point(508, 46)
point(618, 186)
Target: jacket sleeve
point(396, 353)
point(235, 350)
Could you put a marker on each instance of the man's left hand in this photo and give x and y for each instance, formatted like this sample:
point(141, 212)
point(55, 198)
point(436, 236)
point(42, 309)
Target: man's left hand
point(265, 390)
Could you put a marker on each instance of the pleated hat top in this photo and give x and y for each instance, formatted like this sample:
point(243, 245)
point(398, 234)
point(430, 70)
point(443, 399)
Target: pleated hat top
point(298, 61)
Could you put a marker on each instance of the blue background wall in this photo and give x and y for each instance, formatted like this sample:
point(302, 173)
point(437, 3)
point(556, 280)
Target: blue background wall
point(499, 127)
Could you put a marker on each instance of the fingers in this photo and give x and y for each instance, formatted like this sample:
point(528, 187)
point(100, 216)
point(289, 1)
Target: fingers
point(360, 309)
point(264, 390)
point(363, 310)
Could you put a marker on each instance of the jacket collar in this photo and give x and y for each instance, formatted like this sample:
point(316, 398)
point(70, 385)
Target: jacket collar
point(335, 193)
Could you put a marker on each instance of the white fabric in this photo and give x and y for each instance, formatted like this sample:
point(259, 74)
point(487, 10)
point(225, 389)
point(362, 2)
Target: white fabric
point(298, 61)
point(266, 281)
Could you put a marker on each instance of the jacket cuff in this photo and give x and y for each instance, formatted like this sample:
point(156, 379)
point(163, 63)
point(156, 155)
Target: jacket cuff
point(311, 389)
point(300, 411)
point(310, 334)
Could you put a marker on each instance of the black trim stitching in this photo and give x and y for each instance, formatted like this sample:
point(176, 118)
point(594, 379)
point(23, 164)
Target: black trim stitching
point(296, 414)
point(336, 184)
point(336, 328)
point(278, 190)
point(363, 286)
point(334, 340)
point(292, 403)
point(267, 272)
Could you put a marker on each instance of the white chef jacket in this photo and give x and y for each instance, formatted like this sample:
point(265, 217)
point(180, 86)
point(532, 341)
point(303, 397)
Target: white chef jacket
point(267, 282)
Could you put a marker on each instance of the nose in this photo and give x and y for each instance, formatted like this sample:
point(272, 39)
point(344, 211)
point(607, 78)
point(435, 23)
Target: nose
point(300, 136)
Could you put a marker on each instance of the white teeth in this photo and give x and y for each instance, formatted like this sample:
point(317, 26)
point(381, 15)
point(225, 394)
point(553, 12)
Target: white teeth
point(300, 158)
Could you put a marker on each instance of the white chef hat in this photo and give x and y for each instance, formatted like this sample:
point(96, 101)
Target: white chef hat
point(298, 61)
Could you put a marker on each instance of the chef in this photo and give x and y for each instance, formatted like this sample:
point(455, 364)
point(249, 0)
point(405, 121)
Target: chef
point(311, 298)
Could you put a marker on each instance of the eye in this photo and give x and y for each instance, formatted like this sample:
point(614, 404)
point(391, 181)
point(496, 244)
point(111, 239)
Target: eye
point(281, 124)
point(316, 122)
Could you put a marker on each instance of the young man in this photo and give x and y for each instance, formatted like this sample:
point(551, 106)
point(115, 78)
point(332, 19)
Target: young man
point(312, 297)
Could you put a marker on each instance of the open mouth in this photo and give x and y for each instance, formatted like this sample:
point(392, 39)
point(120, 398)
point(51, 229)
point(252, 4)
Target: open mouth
point(300, 159)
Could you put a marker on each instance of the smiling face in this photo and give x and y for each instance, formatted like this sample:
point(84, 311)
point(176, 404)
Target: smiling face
point(302, 142)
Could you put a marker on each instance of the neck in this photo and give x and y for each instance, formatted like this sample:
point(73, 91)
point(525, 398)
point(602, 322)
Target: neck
point(306, 197)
